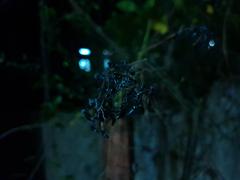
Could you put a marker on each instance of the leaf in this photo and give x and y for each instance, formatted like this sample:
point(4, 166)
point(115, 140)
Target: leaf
point(149, 4)
point(209, 9)
point(161, 27)
point(118, 99)
point(178, 4)
point(127, 6)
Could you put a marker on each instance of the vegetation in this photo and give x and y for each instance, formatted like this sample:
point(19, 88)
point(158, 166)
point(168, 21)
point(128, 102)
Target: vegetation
point(167, 57)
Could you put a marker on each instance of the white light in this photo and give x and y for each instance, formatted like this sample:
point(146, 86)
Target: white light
point(106, 63)
point(211, 43)
point(85, 65)
point(84, 51)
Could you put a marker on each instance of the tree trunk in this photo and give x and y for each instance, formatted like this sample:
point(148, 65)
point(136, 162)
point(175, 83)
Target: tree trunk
point(118, 154)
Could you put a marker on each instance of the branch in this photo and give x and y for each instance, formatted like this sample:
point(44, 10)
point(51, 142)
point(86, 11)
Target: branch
point(145, 41)
point(224, 31)
point(168, 38)
point(97, 29)
point(22, 128)
point(36, 167)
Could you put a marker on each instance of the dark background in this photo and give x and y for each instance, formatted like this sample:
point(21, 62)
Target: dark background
point(19, 34)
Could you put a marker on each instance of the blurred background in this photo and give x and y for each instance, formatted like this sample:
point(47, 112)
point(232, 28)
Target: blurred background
point(50, 53)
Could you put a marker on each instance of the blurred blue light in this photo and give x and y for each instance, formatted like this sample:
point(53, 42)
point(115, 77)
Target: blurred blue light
point(106, 52)
point(84, 51)
point(106, 63)
point(211, 43)
point(85, 65)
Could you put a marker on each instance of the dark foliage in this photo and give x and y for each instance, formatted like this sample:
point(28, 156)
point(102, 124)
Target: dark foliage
point(199, 36)
point(120, 95)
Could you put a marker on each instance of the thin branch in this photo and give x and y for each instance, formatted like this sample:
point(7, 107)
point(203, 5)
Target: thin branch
point(224, 31)
point(168, 38)
point(97, 29)
point(44, 51)
point(27, 127)
point(145, 41)
point(172, 88)
point(37, 166)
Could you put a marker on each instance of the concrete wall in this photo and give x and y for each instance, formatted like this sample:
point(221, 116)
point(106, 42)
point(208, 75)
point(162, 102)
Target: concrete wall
point(72, 151)
point(160, 141)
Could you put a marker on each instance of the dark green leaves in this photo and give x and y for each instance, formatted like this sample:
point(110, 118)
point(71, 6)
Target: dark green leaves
point(127, 6)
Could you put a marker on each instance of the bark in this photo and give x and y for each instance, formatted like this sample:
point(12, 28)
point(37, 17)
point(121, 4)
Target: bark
point(118, 154)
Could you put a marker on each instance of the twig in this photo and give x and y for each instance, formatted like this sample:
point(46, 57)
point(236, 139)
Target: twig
point(224, 46)
point(37, 166)
point(21, 128)
point(174, 91)
point(168, 38)
point(97, 29)
point(44, 51)
point(145, 41)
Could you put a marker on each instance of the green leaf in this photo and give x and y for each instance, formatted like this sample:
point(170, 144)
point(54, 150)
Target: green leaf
point(161, 27)
point(149, 4)
point(179, 4)
point(127, 6)
point(118, 99)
